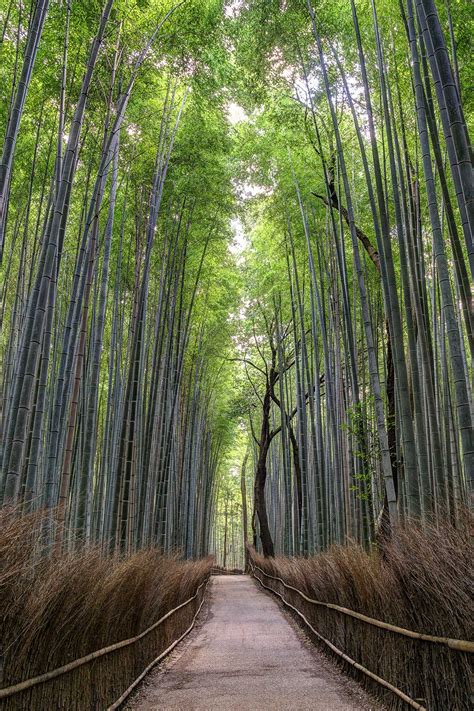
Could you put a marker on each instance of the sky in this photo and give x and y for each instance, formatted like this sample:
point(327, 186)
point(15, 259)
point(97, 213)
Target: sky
point(235, 113)
point(240, 241)
point(233, 8)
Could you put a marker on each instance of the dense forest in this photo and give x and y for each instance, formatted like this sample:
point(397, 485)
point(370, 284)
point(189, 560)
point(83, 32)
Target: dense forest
point(263, 238)
point(253, 250)
point(237, 319)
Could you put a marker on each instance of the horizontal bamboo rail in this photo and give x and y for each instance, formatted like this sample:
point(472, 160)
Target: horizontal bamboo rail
point(459, 644)
point(407, 699)
point(161, 656)
point(59, 671)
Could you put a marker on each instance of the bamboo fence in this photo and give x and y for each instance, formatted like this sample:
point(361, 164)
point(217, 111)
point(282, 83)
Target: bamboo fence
point(93, 681)
point(376, 650)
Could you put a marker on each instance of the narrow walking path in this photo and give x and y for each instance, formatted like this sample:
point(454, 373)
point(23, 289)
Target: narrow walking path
point(247, 655)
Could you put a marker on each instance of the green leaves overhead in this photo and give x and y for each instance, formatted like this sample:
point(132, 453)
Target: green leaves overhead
point(269, 233)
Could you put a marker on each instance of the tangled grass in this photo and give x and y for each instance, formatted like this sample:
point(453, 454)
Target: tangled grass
point(58, 609)
point(423, 581)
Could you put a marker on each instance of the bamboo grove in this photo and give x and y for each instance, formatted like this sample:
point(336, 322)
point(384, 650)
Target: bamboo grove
point(359, 353)
point(110, 418)
point(310, 379)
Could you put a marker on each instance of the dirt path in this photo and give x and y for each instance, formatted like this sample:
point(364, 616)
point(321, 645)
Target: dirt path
point(246, 654)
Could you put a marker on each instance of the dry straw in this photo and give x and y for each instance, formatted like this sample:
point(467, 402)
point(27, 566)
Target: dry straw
point(421, 585)
point(60, 609)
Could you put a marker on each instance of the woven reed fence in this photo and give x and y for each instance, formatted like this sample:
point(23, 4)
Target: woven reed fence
point(105, 678)
point(407, 669)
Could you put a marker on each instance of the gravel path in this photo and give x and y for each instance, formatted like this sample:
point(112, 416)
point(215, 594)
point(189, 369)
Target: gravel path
point(247, 654)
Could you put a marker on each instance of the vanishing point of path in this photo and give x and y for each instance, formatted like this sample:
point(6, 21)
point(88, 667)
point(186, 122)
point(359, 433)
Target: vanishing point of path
point(246, 654)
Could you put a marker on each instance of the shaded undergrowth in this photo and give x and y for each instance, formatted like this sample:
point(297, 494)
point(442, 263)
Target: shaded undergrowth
point(58, 609)
point(422, 580)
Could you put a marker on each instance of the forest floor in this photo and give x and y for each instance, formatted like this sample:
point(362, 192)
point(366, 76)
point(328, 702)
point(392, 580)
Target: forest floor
point(247, 653)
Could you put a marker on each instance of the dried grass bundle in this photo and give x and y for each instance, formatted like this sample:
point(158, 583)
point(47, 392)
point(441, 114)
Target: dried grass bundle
point(58, 609)
point(422, 581)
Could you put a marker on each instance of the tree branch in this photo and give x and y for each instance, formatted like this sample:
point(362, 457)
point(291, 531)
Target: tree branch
point(362, 237)
point(247, 362)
